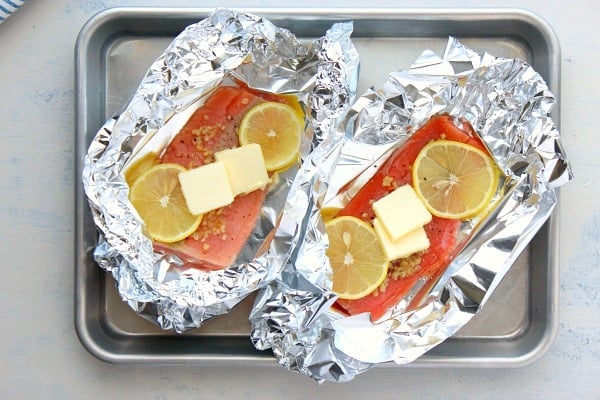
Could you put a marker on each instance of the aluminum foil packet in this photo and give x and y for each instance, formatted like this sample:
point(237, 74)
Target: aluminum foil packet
point(508, 104)
point(228, 46)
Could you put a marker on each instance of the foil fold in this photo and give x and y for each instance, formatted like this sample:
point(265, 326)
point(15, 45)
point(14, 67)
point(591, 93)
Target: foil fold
point(227, 46)
point(508, 104)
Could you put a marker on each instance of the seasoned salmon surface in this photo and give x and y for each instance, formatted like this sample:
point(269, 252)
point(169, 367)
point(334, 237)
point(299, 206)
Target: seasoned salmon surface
point(404, 273)
point(212, 128)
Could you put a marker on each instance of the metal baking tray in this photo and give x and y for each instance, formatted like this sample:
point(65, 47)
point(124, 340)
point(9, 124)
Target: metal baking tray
point(113, 51)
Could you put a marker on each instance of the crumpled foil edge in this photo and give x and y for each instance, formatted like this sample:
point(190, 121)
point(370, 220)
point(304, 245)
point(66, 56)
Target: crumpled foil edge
point(508, 104)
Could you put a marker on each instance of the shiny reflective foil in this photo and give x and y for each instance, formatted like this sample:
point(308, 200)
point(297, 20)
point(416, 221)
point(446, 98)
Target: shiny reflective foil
point(226, 47)
point(508, 104)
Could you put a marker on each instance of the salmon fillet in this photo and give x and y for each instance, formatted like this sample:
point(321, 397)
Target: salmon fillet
point(212, 128)
point(395, 172)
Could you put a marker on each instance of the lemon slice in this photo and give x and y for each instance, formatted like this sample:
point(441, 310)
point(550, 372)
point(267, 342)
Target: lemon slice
point(454, 180)
point(158, 199)
point(358, 262)
point(137, 168)
point(329, 212)
point(277, 128)
point(292, 101)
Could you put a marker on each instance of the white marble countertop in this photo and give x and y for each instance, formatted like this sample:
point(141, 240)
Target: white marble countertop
point(40, 354)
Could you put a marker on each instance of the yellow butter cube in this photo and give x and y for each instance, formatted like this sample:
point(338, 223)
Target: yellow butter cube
point(401, 212)
point(206, 188)
point(408, 244)
point(245, 167)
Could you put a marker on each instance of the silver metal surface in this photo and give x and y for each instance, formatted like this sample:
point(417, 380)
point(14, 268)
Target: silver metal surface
point(113, 52)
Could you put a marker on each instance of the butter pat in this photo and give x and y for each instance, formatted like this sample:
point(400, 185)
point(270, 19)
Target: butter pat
point(245, 166)
point(408, 244)
point(206, 188)
point(401, 212)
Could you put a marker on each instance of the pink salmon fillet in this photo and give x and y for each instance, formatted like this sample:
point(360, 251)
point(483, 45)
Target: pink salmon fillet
point(212, 128)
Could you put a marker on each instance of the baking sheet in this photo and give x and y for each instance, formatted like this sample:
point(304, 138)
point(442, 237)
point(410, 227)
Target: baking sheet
point(112, 54)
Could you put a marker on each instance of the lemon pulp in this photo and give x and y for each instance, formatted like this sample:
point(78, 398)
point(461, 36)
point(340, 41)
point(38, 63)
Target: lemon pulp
point(157, 197)
point(277, 128)
point(358, 262)
point(454, 180)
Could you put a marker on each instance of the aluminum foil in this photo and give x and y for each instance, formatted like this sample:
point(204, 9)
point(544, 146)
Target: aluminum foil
point(508, 104)
point(227, 46)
